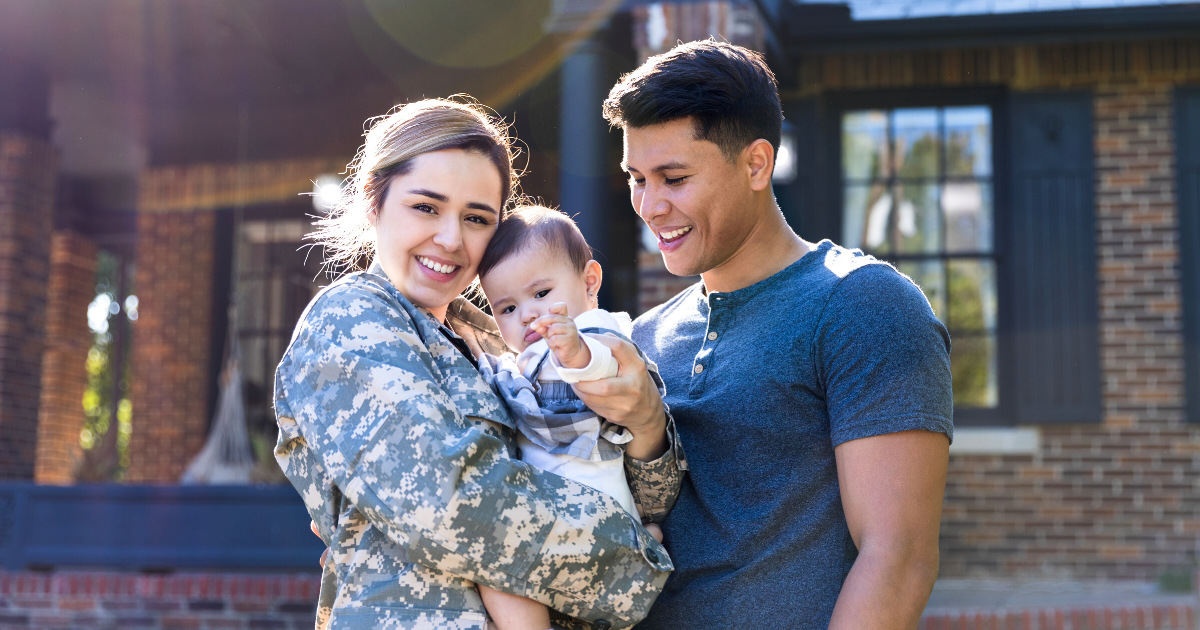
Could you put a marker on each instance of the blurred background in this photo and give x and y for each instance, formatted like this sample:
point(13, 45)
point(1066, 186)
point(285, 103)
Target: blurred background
point(1034, 165)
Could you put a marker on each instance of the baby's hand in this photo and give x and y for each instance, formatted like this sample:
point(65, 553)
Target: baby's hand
point(562, 336)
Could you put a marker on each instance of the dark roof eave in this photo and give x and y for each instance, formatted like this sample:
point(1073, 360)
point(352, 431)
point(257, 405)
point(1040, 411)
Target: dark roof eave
point(1079, 25)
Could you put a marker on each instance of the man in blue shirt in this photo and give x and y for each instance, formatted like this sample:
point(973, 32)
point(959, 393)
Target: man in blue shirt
point(810, 384)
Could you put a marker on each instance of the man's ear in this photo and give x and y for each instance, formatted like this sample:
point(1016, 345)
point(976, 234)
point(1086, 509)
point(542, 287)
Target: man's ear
point(760, 158)
point(593, 276)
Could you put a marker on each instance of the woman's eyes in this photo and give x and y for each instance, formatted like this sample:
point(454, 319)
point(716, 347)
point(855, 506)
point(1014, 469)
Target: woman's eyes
point(424, 207)
point(541, 294)
point(474, 218)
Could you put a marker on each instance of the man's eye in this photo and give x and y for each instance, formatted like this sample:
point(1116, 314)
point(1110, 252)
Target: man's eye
point(672, 182)
point(541, 294)
point(508, 309)
point(633, 181)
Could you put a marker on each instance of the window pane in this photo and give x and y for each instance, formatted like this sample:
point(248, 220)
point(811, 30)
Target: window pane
point(972, 295)
point(968, 141)
point(968, 216)
point(930, 276)
point(916, 227)
point(973, 369)
point(916, 142)
point(864, 145)
point(865, 217)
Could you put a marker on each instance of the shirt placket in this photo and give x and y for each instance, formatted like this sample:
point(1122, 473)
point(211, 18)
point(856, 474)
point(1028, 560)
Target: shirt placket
point(704, 363)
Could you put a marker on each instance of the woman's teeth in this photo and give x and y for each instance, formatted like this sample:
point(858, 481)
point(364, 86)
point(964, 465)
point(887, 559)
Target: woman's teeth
point(673, 234)
point(438, 267)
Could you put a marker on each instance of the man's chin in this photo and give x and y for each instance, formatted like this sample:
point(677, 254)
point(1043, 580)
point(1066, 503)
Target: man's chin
point(678, 266)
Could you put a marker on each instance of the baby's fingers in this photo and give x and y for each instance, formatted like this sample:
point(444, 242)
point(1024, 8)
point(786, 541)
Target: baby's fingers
point(559, 308)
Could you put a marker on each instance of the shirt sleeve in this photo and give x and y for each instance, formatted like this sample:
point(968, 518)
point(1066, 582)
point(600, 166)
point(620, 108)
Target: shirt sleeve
point(382, 419)
point(602, 365)
point(883, 358)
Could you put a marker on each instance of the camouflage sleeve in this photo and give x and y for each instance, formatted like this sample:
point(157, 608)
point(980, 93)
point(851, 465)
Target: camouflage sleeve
point(386, 423)
point(655, 485)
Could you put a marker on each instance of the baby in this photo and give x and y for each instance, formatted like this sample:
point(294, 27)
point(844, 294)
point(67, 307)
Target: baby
point(540, 279)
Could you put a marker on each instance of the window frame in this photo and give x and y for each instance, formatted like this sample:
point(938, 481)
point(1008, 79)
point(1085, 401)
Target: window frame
point(835, 104)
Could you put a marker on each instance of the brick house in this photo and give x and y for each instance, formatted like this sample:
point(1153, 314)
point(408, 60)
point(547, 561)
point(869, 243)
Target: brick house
point(1036, 172)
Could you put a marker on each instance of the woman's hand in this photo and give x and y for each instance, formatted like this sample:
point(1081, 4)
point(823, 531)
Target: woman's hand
point(629, 399)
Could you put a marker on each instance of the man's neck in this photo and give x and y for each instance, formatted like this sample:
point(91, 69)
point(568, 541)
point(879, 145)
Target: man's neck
point(770, 248)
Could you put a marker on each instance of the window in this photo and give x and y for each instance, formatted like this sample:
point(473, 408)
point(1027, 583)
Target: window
point(277, 277)
point(918, 191)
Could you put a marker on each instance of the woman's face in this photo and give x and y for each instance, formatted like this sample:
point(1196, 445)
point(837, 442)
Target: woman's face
point(434, 224)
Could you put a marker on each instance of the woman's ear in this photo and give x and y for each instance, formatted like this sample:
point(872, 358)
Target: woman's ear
point(373, 217)
point(593, 276)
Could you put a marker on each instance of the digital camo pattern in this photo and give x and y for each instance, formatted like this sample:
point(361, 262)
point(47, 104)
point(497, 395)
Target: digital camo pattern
point(404, 457)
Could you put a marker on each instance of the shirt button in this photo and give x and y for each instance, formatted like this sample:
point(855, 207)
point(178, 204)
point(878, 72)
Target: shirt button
point(699, 368)
point(602, 624)
point(712, 336)
point(651, 555)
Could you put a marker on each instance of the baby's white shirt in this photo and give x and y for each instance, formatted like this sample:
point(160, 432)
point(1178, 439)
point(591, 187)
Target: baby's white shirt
point(602, 365)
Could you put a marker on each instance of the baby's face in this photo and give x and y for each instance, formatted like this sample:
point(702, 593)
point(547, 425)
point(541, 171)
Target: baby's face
point(525, 286)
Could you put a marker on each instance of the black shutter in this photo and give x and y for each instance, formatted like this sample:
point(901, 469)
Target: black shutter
point(1187, 149)
point(1050, 256)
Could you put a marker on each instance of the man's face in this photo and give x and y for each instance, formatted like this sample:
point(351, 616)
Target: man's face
point(698, 204)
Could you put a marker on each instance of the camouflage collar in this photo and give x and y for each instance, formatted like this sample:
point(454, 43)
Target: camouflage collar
point(465, 319)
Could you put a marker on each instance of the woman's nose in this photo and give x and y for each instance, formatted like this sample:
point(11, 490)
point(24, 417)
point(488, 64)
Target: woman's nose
point(449, 234)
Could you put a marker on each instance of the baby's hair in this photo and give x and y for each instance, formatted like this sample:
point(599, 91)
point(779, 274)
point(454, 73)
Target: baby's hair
point(527, 226)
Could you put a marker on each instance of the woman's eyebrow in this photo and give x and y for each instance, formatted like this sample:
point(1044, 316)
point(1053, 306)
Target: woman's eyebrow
point(429, 193)
point(475, 205)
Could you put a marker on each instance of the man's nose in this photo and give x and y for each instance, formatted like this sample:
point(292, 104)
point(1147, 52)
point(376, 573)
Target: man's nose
point(651, 204)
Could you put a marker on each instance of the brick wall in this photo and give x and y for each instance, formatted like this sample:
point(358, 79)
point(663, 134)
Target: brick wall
point(27, 171)
point(1120, 499)
point(71, 288)
point(171, 341)
point(68, 600)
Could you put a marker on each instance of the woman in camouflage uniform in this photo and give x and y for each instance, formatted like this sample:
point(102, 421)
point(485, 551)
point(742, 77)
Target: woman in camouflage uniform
point(403, 455)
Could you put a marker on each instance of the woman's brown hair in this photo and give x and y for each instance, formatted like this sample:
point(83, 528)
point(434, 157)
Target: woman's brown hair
point(391, 145)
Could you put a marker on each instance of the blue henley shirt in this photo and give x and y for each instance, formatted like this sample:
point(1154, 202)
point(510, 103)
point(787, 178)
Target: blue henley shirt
point(763, 383)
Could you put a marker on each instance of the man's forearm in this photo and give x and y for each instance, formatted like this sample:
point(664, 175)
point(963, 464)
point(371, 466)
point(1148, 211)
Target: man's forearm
point(885, 591)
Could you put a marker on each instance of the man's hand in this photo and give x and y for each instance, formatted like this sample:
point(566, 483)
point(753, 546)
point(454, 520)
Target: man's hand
point(562, 336)
point(892, 487)
point(629, 399)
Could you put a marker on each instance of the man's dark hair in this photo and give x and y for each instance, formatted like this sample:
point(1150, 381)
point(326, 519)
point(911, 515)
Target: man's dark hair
point(727, 90)
point(529, 225)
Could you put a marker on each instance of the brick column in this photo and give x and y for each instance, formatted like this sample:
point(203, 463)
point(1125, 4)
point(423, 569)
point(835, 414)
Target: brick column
point(27, 171)
point(170, 343)
point(68, 339)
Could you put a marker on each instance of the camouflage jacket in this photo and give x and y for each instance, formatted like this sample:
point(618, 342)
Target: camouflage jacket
point(406, 461)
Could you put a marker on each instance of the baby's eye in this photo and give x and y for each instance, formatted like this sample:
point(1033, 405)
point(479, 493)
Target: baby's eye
point(508, 309)
point(541, 294)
